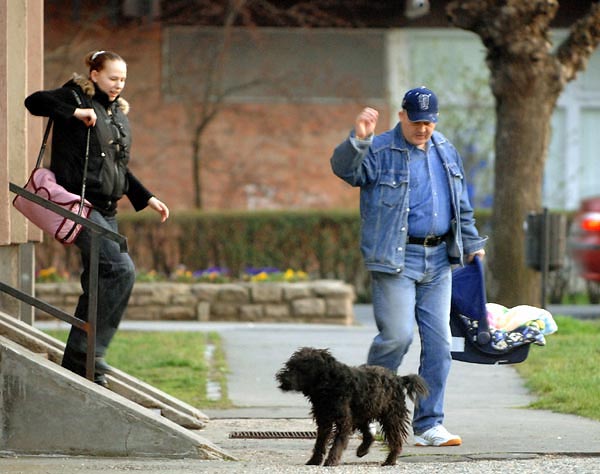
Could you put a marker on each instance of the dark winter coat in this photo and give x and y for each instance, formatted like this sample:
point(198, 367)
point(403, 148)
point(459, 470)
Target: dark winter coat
point(108, 176)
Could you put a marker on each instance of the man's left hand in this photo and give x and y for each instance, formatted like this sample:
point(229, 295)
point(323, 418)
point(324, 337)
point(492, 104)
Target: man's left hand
point(479, 253)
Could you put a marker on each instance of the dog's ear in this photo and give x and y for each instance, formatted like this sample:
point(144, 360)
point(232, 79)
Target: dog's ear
point(332, 373)
point(316, 353)
point(327, 356)
point(312, 353)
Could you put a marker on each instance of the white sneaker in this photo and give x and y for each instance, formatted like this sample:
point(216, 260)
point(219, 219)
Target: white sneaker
point(437, 436)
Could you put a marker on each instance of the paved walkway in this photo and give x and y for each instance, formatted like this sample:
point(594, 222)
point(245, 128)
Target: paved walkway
point(486, 405)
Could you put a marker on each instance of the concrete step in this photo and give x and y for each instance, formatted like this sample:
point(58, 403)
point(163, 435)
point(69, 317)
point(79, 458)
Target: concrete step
point(131, 399)
point(120, 382)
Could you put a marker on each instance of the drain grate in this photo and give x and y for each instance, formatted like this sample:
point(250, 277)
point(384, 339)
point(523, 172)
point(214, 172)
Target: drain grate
point(273, 434)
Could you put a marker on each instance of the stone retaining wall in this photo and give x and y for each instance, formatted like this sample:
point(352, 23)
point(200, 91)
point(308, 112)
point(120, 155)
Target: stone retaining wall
point(322, 301)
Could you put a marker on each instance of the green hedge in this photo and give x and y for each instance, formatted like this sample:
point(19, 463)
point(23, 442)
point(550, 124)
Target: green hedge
point(323, 243)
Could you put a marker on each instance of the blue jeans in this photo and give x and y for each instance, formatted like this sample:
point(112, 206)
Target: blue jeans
point(116, 276)
point(420, 294)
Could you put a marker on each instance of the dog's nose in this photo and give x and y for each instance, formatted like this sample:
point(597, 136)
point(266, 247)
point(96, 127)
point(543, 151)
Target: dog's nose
point(284, 383)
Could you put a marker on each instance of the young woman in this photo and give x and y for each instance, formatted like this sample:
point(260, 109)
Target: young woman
point(94, 101)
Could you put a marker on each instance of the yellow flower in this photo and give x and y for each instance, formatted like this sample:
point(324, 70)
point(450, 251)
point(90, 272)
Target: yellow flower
point(289, 274)
point(47, 272)
point(262, 276)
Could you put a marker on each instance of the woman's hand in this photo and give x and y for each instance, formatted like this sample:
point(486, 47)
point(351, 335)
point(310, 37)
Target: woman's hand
point(87, 116)
point(159, 207)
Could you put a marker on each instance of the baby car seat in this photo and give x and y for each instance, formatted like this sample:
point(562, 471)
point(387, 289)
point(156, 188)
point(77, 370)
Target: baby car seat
point(471, 336)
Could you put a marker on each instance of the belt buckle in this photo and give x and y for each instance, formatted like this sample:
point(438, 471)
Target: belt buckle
point(431, 241)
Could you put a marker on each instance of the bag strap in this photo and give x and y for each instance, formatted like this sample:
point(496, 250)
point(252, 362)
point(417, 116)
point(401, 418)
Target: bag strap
point(85, 168)
point(82, 201)
point(44, 141)
point(87, 154)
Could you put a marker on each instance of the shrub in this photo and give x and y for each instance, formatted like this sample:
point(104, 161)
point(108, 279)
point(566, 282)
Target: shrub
point(324, 244)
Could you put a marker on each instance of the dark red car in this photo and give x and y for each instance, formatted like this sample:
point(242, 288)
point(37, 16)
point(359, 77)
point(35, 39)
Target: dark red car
point(584, 244)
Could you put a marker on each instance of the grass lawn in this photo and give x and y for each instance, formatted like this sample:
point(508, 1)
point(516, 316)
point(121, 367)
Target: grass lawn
point(174, 362)
point(565, 374)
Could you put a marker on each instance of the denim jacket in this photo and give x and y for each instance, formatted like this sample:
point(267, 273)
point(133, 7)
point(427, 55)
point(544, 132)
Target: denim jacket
point(381, 171)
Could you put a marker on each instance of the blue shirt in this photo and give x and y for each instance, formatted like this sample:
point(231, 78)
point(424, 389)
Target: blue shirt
point(380, 167)
point(429, 195)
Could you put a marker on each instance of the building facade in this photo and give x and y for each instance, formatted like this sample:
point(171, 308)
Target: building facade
point(279, 100)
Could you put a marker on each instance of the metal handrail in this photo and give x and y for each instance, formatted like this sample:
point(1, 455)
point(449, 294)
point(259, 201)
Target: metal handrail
point(88, 326)
point(120, 239)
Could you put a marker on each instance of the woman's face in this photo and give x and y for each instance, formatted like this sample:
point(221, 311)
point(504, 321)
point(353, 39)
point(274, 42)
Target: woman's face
point(111, 79)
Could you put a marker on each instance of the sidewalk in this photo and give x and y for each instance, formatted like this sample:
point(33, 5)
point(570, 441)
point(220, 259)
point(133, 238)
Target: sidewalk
point(486, 405)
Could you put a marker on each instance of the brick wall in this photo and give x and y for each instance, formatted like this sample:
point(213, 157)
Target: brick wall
point(255, 155)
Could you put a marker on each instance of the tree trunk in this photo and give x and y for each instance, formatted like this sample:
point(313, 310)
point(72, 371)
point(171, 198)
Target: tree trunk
point(526, 80)
point(519, 167)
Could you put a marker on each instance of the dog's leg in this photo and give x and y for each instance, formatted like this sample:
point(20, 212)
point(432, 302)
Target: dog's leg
point(395, 450)
point(367, 440)
point(394, 428)
point(343, 430)
point(324, 430)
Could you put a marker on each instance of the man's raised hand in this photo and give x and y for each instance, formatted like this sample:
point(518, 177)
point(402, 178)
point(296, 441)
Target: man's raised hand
point(365, 123)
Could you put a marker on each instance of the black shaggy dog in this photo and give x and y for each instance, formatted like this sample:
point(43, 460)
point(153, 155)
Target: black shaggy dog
point(345, 399)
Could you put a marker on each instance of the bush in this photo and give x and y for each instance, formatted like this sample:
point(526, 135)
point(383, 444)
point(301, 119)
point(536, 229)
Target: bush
point(323, 244)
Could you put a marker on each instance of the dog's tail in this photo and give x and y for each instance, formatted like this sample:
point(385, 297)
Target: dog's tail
point(415, 387)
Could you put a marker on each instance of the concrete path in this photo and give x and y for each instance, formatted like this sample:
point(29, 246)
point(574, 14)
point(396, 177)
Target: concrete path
point(486, 405)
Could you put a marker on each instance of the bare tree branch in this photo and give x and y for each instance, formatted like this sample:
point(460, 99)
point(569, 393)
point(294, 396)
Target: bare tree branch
point(516, 36)
point(203, 110)
point(289, 13)
point(498, 24)
point(576, 49)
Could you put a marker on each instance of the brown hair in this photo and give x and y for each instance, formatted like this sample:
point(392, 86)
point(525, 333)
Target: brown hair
point(95, 60)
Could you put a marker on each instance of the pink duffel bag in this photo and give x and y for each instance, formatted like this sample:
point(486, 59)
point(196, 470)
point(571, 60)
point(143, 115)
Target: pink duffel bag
point(42, 182)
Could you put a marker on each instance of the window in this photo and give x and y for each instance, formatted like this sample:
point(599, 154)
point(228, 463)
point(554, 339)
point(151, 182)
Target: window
point(274, 63)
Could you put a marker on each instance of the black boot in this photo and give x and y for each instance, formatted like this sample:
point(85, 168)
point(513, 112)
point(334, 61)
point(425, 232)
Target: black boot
point(101, 366)
point(75, 362)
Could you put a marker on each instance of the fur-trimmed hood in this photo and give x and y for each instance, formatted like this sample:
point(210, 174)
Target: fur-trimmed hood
point(87, 86)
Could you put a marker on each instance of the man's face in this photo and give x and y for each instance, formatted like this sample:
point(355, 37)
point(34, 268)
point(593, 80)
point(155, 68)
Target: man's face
point(415, 133)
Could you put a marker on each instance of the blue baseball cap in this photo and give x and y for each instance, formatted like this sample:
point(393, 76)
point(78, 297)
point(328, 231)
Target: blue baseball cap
point(421, 105)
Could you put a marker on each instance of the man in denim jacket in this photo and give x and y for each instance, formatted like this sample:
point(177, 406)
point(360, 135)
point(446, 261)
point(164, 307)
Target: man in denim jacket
point(416, 222)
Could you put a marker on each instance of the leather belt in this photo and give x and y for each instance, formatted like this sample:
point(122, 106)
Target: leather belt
point(429, 241)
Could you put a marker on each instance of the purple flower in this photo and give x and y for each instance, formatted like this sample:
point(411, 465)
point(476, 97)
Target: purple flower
point(211, 271)
point(255, 271)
